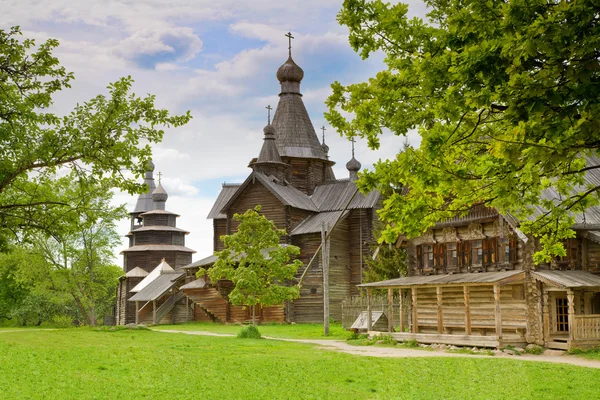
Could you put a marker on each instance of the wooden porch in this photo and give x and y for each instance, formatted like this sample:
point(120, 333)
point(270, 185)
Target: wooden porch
point(483, 310)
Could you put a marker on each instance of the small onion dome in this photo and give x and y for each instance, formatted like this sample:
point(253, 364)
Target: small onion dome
point(269, 130)
point(150, 166)
point(353, 165)
point(325, 148)
point(290, 71)
point(159, 194)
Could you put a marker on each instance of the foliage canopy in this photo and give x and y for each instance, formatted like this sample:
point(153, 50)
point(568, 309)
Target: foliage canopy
point(256, 263)
point(41, 152)
point(505, 97)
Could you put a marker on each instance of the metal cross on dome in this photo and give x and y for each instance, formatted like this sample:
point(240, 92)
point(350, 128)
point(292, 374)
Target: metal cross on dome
point(269, 108)
point(159, 176)
point(323, 129)
point(353, 141)
point(290, 37)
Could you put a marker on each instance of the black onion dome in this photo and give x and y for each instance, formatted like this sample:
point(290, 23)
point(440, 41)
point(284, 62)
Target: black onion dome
point(353, 165)
point(290, 71)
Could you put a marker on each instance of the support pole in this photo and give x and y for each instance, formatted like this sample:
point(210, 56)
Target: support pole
point(498, 312)
point(390, 310)
point(369, 311)
point(415, 316)
point(153, 312)
point(467, 296)
point(137, 312)
point(440, 316)
point(571, 301)
point(401, 310)
point(325, 262)
point(546, 315)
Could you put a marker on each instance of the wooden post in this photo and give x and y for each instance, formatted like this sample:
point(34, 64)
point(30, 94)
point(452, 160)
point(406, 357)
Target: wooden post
point(390, 310)
point(571, 302)
point(440, 316)
point(401, 310)
point(325, 262)
point(498, 312)
point(415, 324)
point(153, 312)
point(546, 315)
point(467, 297)
point(369, 311)
point(137, 312)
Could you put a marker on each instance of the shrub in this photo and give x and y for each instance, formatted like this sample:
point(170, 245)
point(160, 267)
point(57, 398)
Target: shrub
point(537, 350)
point(411, 343)
point(249, 332)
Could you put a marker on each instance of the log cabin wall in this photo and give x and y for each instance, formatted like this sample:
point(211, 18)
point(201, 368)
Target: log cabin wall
point(309, 307)
point(148, 260)
point(160, 220)
point(306, 173)
point(481, 310)
point(157, 237)
point(593, 256)
point(219, 229)
point(360, 236)
point(256, 193)
point(295, 216)
point(126, 309)
point(339, 271)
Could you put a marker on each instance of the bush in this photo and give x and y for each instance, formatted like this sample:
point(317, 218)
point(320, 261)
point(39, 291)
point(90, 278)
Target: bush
point(537, 350)
point(411, 343)
point(249, 332)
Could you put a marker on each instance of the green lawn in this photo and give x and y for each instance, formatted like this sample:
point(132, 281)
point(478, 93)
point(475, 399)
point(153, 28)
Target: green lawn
point(296, 331)
point(86, 364)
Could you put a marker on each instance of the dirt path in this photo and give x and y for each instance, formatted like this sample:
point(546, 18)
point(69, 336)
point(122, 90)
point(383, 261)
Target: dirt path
point(398, 352)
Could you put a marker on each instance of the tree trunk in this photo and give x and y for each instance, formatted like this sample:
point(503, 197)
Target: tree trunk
point(253, 314)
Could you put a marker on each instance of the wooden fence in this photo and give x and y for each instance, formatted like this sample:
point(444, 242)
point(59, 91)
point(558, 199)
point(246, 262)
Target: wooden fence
point(353, 306)
point(586, 327)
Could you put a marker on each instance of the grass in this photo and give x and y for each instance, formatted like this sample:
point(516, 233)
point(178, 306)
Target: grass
point(285, 331)
point(592, 354)
point(124, 364)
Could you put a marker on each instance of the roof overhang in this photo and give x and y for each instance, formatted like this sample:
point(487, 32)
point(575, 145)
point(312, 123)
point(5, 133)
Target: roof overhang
point(568, 279)
point(467, 279)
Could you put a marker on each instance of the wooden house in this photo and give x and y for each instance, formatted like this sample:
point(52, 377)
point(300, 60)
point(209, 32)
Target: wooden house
point(293, 181)
point(472, 281)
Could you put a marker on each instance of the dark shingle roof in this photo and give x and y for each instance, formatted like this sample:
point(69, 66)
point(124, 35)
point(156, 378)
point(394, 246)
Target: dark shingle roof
point(313, 223)
point(334, 196)
point(225, 195)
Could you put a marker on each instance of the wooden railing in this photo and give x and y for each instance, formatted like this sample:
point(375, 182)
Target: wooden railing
point(586, 327)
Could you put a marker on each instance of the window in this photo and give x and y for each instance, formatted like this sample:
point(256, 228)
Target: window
point(427, 256)
point(489, 251)
point(572, 258)
point(476, 251)
point(562, 315)
point(451, 254)
point(504, 250)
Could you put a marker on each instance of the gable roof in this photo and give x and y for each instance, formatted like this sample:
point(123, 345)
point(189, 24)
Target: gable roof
point(137, 272)
point(335, 195)
point(227, 191)
point(313, 223)
point(157, 288)
point(161, 269)
point(288, 195)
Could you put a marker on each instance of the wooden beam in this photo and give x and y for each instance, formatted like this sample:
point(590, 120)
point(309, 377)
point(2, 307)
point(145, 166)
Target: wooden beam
point(571, 303)
point(369, 311)
point(467, 297)
point(440, 316)
point(153, 312)
point(498, 311)
point(401, 311)
point(546, 315)
point(415, 316)
point(390, 310)
point(137, 312)
point(325, 262)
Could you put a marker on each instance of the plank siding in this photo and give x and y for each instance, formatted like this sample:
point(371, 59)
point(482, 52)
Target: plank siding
point(219, 229)
point(254, 194)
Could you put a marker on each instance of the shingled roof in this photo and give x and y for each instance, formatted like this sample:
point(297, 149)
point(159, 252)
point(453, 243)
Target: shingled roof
point(144, 201)
point(335, 195)
point(227, 191)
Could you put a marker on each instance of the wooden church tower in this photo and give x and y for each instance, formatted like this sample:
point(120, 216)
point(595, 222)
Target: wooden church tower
point(154, 237)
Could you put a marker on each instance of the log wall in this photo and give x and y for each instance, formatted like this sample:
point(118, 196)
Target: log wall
point(148, 260)
point(256, 193)
point(219, 229)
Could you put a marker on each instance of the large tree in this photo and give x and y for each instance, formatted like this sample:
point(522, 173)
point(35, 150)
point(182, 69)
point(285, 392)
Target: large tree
point(505, 97)
point(257, 264)
point(97, 142)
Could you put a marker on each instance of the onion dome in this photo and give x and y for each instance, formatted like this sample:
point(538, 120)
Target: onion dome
point(150, 166)
point(290, 71)
point(353, 166)
point(325, 148)
point(159, 197)
point(269, 153)
point(144, 201)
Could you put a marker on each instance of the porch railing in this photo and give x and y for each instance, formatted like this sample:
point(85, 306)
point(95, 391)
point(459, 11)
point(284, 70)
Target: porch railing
point(586, 327)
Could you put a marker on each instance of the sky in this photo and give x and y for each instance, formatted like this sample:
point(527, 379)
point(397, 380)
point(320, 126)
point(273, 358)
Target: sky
point(217, 59)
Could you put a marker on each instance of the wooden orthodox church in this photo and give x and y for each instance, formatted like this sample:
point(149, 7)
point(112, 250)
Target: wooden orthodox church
point(293, 181)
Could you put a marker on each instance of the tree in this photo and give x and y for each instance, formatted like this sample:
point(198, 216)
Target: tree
point(256, 263)
point(96, 143)
point(505, 97)
point(387, 261)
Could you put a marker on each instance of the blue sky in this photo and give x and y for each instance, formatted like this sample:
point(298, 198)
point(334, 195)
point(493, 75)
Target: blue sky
point(217, 59)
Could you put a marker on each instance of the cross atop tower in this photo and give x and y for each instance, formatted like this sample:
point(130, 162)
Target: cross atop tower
point(353, 141)
point(290, 37)
point(323, 129)
point(159, 176)
point(269, 108)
